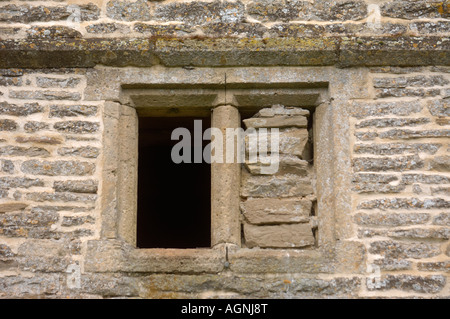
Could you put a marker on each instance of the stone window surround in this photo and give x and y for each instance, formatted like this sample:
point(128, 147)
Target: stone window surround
point(120, 161)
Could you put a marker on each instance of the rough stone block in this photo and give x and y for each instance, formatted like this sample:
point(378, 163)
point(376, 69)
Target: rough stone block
point(10, 81)
point(415, 9)
point(62, 168)
point(83, 186)
point(391, 219)
point(199, 12)
point(39, 140)
point(397, 250)
point(26, 13)
point(72, 110)
point(277, 121)
point(7, 166)
point(125, 10)
point(274, 210)
point(428, 284)
point(440, 163)
point(8, 125)
point(18, 110)
point(45, 95)
point(442, 219)
point(440, 108)
point(439, 266)
point(406, 92)
point(34, 126)
point(370, 108)
point(381, 164)
point(12, 207)
point(278, 236)
point(19, 182)
point(393, 122)
point(393, 264)
point(281, 110)
point(52, 32)
point(23, 151)
point(84, 151)
point(405, 203)
point(288, 185)
point(424, 179)
point(51, 82)
point(77, 127)
point(61, 197)
point(397, 148)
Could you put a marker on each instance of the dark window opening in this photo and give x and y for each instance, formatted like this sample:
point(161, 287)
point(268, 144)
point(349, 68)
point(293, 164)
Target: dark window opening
point(174, 200)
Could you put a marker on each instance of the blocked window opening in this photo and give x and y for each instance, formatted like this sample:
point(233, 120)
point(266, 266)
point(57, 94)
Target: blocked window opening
point(174, 200)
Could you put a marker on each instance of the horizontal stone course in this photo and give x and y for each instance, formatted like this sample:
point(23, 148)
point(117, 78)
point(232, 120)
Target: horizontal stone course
point(278, 236)
point(361, 109)
point(84, 151)
point(61, 197)
point(8, 125)
point(380, 164)
point(35, 126)
point(83, 186)
point(23, 151)
point(396, 148)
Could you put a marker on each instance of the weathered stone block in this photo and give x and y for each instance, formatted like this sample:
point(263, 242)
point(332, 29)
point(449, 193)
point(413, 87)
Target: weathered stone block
point(396, 122)
point(412, 134)
point(404, 203)
point(72, 110)
point(84, 151)
point(83, 186)
point(16, 110)
point(296, 30)
point(199, 12)
point(425, 179)
point(440, 163)
point(442, 219)
point(274, 210)
point(420, 233)
point(50, 82)
point(288, 185)
point(280, 110)
point(428, 284)
point(376, 164)
point(39, 140)
point(69, 221)
point(105, 28)
point(52, 32)
point(430, 27)
point(25, 13)
point(287, 164)
point(378, 108)
point(61, 197)
point(412, 81)
point(439, 108)
point(278, 236)
point(168, 30)
point(277, 121)
point(393, 264)
point(397, 250)
point(406, 92)
point(45, 95)
point(8, 125)
point(440, 266)
point(139, 10)
point(77, 127)
point(63, 168)
point(391, 219)
point(7, 166)
point(11, 207)
point(10, 81)
point(20, 182)
point(230, 29)
point(23, 151)
point(415, 9)
point(396, 148)
point(34, 126)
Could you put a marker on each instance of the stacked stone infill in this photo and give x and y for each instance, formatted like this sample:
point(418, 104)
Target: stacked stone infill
point(401, 181)
point(277, 206)
point(49, 148)
point(279, 18)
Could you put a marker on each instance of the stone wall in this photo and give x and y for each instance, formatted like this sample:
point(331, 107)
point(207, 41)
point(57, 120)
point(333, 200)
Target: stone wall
point(60, 78)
